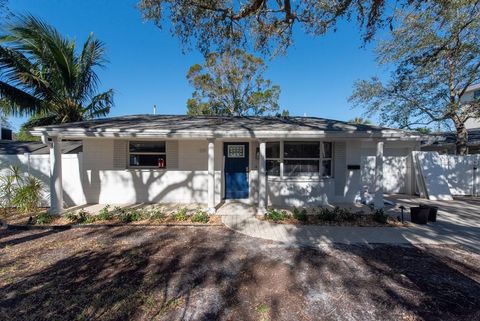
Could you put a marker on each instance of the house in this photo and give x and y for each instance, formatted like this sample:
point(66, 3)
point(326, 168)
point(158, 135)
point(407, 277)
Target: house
point(291, 161)
point(445, 143)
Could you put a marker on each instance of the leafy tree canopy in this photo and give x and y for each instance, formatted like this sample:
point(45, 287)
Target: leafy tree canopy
point(360, 121)
point(436, 54)
point(43, 76)
point(231, 83)
point(262, 23)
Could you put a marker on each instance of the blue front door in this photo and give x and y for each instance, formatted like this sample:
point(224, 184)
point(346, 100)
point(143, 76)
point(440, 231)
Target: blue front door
point(236, 170)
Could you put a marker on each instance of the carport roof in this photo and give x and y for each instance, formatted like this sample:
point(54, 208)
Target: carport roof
point(218, 126)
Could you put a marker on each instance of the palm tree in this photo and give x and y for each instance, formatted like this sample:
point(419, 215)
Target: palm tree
point(42, 76)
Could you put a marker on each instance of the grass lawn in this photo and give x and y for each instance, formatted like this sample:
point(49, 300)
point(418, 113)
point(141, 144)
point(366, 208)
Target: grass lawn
point(212, 273)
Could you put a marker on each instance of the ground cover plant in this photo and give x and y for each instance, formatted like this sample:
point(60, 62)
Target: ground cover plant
point(109, 215)
point(330, 216)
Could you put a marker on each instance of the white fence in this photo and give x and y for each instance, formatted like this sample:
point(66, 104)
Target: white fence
point(462, 173)
point(459, 175)
point(39, 166)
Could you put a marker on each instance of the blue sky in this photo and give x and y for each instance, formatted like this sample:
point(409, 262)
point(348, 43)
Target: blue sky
point(147, 66)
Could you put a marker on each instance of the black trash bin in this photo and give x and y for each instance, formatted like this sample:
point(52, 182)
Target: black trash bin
point(432, 214)
point(419, 215)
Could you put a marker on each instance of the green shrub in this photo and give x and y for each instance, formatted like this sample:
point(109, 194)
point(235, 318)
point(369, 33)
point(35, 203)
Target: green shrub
point(200, 217)
point(155, 215)
point(82, 215)
point(131, 215)
point(380, 217)
point(44, 218)
point(325, 214)
point(300, 215)
point(343, 214)
point(25, 193)
point(71, 217)
point(275, 215)
point(337, 214)
point(28, 195)
point(105, 214)
point(180, 215)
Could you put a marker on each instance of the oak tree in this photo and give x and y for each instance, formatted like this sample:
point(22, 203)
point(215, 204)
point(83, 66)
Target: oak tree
point(435, 53)
point(231, 83)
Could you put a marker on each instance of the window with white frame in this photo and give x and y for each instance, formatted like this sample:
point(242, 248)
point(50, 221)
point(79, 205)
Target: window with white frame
point(273, 159)
point(327, 159)
point(147, 154)
point(299, 158)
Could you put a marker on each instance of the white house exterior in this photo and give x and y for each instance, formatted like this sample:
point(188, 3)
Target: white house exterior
point(293, 161)
point(472, 93)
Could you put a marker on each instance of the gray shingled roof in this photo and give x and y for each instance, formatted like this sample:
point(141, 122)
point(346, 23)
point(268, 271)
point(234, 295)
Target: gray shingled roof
point(37, 148)
point(448, 138)
point(182, 123)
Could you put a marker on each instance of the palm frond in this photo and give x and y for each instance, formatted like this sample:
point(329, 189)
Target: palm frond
point(92, 55)
point(100, 105)
point(17, 102)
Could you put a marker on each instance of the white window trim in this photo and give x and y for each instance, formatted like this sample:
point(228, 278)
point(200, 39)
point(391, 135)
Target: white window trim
point(313, 176)
point(145, 153)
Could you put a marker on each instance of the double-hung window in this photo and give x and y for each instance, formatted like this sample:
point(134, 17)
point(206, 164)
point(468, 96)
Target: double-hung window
point(147, 154)
point(299, 158)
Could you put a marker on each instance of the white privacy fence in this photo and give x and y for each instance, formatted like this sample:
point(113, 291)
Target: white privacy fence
point(462, 173)
point(439, 175)
point(39, 166)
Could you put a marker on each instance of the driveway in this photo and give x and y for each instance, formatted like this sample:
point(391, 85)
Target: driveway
point(458, 223)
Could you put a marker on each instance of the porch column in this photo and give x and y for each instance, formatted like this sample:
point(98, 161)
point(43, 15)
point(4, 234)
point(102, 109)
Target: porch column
point(211, 176)
point(378, 198)
point(262, 179)
point(56, 188)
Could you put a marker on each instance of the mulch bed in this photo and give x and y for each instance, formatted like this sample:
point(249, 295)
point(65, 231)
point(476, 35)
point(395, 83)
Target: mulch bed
point(364, 220)
point(19, 219)
point(213, 273)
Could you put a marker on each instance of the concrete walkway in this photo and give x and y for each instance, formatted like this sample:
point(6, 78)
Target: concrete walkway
point(458, 223)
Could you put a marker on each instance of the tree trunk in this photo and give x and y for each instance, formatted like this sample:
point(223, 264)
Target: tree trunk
point(462, 139)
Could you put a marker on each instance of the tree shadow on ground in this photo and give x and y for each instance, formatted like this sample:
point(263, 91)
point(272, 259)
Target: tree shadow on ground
point(180, 273)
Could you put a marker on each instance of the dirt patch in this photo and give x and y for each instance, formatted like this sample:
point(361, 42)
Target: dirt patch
point(212, 273)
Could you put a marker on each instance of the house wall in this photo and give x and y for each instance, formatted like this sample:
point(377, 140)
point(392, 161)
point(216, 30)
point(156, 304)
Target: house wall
point(346, 184)
point(100, 174)
point(184, 180)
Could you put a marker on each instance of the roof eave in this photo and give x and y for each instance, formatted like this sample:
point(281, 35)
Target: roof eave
point(196, 134)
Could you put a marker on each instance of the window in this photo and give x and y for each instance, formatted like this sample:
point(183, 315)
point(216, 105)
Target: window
point(273, 158)
point(236, 151)
point(299, 158)
point(327, 159)
point(147, 154)
point(476, 94)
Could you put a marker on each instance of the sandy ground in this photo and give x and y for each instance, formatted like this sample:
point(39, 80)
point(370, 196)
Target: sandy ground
point(212, 273)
